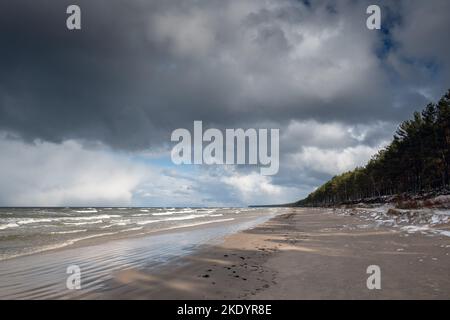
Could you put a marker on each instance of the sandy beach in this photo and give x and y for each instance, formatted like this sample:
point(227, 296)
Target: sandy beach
point(303, 254)
point(285, 253)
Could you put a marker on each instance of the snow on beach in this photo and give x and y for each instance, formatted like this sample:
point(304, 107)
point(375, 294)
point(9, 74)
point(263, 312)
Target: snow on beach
point(429, 221)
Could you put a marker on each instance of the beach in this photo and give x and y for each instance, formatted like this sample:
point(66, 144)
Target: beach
point(297, 254)
point(304, 254)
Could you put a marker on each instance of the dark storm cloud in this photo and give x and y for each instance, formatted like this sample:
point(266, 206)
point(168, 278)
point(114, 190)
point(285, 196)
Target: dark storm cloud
point(139, 69)
point(57, 84)
point(109, 82)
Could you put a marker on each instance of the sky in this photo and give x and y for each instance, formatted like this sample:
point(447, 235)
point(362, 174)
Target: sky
point(86, 116)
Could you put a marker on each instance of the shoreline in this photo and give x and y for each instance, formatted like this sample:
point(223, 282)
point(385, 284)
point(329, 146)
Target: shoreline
point(102, 257)
point(129, 234)
point(303, 254)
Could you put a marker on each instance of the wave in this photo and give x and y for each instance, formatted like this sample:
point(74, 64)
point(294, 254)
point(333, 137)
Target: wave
point(199, 223)
point(8, 225)
point(148, 222)
point(16, 223)
point(82, 223)
point(34, 220)
point(86, 211)
point(107, 226)
point(171, 212)
point(132, 229)
point(101, 216)
point(188, 217)
point(123, 222)
point(69, 232)
point(54, 246)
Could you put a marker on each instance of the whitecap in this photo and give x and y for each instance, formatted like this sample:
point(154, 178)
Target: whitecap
point(200, 223)
point(68, 232)
point(148, 222)
point(9, 225)
point(101, 216)
point(86, 211)
point(132, 229)
point(32, 220)
point(188, 217)
point(82, 223)
point(162, 214)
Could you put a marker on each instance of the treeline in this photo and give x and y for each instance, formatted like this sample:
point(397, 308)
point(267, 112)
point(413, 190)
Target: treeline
point(417, 160)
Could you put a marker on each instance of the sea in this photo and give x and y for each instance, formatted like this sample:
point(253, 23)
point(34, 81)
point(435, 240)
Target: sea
point(38, 245)
point(26, 231)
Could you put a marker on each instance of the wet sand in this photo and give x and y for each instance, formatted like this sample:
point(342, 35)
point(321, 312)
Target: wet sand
point(43, 275)
point(303, 254)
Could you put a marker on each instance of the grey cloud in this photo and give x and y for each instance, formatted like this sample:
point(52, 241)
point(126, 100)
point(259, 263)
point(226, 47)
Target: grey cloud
point(139, 69)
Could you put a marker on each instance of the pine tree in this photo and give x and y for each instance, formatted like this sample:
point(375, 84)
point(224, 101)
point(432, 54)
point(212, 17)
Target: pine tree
point(417, 160)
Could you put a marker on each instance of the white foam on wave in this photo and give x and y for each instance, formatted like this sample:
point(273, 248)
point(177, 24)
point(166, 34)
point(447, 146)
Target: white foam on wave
point(207, 210)
point(100, 216)
point(86, 211)
point(188, 217)
point(82, 223)
point(122, 222)
point(148, 222)
point(168, 213)
point(33, 220)
point(162, 214)
point(69, 232)
point(200, 223)
point(65, 220)
point(107, 226)
point(132, 229)
point(8, 225)
point(72, 241)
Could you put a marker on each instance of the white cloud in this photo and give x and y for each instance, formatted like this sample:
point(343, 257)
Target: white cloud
point(48, 174)
point(69, 174)
point(253, 188)
point(332, 161)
